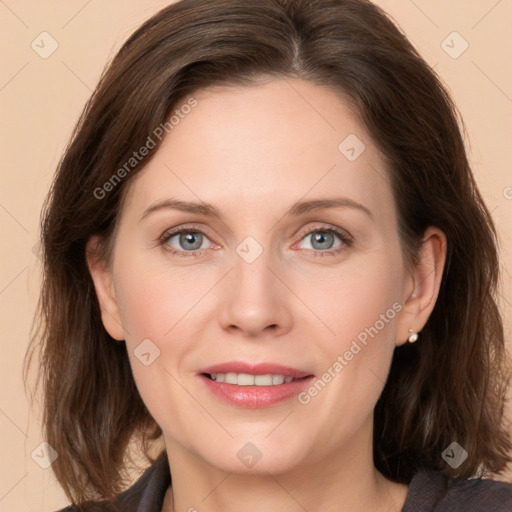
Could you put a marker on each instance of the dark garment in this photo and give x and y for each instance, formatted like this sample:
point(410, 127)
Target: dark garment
point(434, 492)
point(428, 492)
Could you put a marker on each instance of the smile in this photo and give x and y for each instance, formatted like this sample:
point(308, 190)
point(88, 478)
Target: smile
point(254, 386)
point(246, 379)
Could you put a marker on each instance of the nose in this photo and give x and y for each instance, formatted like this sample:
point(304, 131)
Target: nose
point(255, 299)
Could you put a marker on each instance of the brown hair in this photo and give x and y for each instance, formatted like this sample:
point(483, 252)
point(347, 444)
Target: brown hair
point(449, 386)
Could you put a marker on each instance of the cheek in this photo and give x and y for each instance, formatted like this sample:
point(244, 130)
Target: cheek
point(358, 298)
point(162, 310)
point(360, 306)
point(154, 298)
point(154, 307)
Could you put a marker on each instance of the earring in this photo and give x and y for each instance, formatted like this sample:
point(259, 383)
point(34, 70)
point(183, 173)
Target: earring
point(413, 336)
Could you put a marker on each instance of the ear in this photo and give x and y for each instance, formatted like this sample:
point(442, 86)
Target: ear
point(102, 277)
point(422, 286)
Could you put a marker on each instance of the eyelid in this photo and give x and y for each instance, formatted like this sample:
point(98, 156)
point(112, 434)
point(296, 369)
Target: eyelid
point(343, 235)
point(328, 228)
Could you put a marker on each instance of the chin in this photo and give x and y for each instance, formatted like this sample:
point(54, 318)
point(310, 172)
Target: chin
point(254, 455)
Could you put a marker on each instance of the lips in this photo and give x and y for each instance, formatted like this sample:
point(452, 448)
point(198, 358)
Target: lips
point(254, 385)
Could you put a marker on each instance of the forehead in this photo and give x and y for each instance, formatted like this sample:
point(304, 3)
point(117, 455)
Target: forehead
point(263, 146)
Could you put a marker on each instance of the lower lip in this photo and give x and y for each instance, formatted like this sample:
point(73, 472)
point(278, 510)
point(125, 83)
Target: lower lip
point(256, 397)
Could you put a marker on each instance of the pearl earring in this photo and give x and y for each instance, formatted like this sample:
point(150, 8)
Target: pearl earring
point(413, 336)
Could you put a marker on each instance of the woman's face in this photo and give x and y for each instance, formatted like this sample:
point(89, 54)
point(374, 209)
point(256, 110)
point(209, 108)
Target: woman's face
point(262, 281)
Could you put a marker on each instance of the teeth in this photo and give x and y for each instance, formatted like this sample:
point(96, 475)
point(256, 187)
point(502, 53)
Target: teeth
point(245, 379)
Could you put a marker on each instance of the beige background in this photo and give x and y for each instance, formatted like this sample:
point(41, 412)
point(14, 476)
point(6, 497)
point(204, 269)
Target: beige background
point(40, 100)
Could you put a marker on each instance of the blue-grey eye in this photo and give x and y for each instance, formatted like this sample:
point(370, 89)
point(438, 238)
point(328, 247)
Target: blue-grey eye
point(321, 240)
point(188, 240)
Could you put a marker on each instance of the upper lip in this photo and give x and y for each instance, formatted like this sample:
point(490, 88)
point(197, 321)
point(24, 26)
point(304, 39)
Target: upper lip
point(255, 369)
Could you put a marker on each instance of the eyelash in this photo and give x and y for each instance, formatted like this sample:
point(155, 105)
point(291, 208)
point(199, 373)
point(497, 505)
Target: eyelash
point(343, 236)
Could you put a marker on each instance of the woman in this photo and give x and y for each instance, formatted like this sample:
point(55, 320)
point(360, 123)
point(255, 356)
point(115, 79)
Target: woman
point(330, 339)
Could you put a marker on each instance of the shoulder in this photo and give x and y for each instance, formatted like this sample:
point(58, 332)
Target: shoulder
point(432, 491)
point(145, 495)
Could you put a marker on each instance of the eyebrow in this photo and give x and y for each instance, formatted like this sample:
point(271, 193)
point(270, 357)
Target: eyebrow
point(299, 208)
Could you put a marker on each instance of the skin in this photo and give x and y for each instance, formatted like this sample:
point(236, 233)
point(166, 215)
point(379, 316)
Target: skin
point(252, 152)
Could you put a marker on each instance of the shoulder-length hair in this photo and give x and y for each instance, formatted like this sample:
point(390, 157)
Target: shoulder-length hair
point(448, 387)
